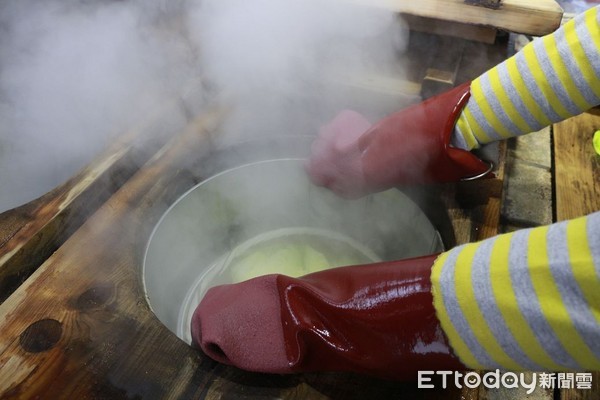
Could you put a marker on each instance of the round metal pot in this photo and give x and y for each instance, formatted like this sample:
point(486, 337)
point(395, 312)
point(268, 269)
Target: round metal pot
point(270, 210)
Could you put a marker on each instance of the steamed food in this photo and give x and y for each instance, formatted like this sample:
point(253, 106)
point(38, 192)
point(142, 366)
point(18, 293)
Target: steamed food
point(288, 260)
point(293, 256)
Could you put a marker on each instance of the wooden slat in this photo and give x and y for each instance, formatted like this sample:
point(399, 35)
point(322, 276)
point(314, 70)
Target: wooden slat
point(495, 4)
point(536, 18)
point(583, 394)
point(577, 180)
point(98, 338)
point(29, 234)
point(435, 26)
point(577, 166)
point(441, 75)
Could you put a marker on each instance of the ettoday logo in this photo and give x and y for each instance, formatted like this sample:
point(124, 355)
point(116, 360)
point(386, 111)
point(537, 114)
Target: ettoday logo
point(496, 379)
point(491, 380)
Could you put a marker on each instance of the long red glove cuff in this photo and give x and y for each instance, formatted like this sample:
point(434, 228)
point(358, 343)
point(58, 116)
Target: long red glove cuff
point(376, 319)
point(413, 145)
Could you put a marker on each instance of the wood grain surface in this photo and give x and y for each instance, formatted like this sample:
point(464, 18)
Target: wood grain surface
point(537, 18)
point(434, 26)
point(29, 234)
point(577, 166)
point(79, 325)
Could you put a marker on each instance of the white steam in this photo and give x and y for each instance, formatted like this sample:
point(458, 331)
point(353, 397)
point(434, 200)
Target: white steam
point(289, 65)
point(74, 74)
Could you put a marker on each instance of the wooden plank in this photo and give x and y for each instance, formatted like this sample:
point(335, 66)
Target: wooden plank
point(577, 166)
point(29, 234)
point(89, 300)
point(441, 75)
point(34, 231)
point(577, 186)
point(583, 394)
point(536, 18)
point(495, 4)
point(435, 26)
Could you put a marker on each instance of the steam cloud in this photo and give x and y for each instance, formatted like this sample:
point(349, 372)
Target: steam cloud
point(74, 74)
point(290, 65)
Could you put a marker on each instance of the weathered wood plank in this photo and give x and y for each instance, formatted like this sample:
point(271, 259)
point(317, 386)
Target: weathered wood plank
point(434, 26)
point(29, 234)
point(536, 18)
point(109, 344)
point(485, 3)
point(577, 185)
point(441, 75)
point(583, 394)
point(577, 166)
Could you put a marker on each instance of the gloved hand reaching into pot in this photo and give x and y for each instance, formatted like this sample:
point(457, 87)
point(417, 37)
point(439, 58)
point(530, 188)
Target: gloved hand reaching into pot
point(377, 319)
point(470, 307)
point(352, 157)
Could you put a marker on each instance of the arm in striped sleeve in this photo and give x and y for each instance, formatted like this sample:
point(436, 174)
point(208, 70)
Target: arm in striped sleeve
point(551, 79)
point(528, 300)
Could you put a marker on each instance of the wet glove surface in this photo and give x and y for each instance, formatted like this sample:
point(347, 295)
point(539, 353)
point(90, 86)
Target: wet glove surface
point(376, 319)
point(411, 146)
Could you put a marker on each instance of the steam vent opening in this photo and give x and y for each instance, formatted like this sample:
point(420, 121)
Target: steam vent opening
point(266, 217)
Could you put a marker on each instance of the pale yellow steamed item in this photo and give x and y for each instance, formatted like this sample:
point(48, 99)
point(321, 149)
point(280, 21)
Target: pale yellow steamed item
point(314, 260)
point(290, 259)
point(296, 257)
point(286, 260)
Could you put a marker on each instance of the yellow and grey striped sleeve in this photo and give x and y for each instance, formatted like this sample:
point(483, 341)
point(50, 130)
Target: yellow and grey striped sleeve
point(527, 300)
point(549, 80)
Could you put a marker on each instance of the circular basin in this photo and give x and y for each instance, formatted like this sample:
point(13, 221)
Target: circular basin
point(267, 217)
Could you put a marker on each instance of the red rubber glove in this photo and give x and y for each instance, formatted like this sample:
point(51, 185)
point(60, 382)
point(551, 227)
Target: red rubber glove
point(410, 146)
point(376, 319)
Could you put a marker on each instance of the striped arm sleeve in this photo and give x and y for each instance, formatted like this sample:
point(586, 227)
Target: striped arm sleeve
point(551, 79)
point(528, 300)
